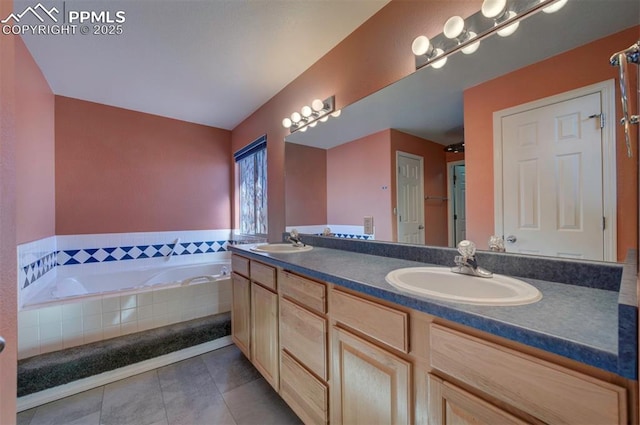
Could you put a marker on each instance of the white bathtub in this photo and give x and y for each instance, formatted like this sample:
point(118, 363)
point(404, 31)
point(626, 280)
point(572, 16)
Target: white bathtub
point(79, 309)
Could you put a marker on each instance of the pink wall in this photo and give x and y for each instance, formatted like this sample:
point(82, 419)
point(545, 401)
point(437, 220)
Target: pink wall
point(123, 171)
point(379, 50)
point(577, 68)
point(435, 183)
point(8, 277)
point(305, 185)
point(356, 174)
point(35, 166)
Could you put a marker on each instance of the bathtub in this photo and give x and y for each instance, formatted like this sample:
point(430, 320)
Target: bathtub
point(79, 309)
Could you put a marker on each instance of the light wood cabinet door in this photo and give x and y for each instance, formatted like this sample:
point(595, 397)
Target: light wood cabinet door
point(369, 384)
point(264, 333)
point(450, 405)
point(241, 313)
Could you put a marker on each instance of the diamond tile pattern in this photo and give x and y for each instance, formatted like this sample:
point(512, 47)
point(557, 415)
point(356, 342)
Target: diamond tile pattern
point(38, 268)
point(349, 236)
point(119, 253)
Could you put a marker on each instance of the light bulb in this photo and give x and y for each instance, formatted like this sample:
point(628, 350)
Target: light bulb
point(313, 124)
point(554, 7)
point(286, 123)
point(471, 48)
point(421, 45)
point(454, 27)
point(493, 8)
point(303, 129)
point(296, 117)
point(336, 114)
point(317, 105)
point(441, 62)
point(325, 118)
point(509, 29)
point(306, 111)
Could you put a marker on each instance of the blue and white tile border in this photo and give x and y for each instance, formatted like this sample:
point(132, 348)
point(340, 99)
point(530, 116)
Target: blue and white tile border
point(337, 230)
point(43, 260)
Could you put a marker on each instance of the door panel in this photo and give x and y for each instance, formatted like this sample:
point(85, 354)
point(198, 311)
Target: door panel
point(552, 179)
point(410, 192)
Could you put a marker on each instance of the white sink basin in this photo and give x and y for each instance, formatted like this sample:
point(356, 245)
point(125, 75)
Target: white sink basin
point(443, 284)
point(281, 248)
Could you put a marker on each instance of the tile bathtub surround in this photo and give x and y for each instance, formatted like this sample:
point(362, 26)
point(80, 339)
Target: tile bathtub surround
point(591, 274)
point(36, 260)
point(71, 324)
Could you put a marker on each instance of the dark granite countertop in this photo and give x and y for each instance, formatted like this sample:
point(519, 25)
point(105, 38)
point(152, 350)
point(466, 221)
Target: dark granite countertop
point(593, 325)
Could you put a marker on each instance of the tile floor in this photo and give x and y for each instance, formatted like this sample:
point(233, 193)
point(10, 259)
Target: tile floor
point(219, 387)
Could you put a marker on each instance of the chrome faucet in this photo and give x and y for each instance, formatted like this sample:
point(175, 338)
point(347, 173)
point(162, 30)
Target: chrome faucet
point(466, 262)
point(294, 238)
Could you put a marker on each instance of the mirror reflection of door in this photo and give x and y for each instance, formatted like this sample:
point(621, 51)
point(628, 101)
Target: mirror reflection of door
point(552, 178)
point(410, 190)
point(459, 191)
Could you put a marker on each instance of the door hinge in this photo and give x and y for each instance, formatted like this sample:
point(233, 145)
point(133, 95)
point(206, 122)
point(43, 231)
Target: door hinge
point(600, 116)
point(604, 223)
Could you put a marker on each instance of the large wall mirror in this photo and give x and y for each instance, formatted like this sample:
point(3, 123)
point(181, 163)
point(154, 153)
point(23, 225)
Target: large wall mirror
point(525, 107)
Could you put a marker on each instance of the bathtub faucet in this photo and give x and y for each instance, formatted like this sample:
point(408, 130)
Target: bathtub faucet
point(173, 249)
point(466, 262)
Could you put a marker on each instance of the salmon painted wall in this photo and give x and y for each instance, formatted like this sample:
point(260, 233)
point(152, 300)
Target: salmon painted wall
point(375, 55)
point(435, 183)
point(124, 171)
point(8, 277)
point(357, 173)
point(35, 165)
point(305, 185)
point(576, 68)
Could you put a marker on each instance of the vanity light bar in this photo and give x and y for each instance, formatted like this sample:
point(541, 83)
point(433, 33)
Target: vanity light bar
point(309, 116)
point(500, 16)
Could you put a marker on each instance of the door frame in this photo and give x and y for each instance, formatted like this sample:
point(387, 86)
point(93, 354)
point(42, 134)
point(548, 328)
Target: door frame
point(609, 195)
point(450, 200)
point(421, 159)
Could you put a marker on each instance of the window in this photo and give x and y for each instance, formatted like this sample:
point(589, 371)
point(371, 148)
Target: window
point(252, 165)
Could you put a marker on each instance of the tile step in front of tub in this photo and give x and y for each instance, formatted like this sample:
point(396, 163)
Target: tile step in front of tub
point(50, 370)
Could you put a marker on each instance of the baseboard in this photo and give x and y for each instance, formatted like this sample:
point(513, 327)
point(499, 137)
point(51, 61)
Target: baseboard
point(46, 396)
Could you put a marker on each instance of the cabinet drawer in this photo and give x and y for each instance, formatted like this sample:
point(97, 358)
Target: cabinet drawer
point(544, 390)
point(385, 324)
point(264, 275)
point(304, 335)
point(240, 265)
point(305, 291)
point(306, 395)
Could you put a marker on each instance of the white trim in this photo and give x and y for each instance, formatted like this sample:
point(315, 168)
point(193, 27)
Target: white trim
point(46, 396)
point(450, 220)
point(609, 178)
point(424, 225)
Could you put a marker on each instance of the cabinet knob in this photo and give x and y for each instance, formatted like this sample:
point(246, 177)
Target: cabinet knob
point(511, 239)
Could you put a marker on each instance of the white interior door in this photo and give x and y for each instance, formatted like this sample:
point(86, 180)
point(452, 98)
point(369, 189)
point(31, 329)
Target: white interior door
point(552, 179)
point(410, 190)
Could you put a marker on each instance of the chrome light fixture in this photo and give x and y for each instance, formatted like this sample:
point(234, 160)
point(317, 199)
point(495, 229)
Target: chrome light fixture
point(498, 11)
point(454, 29)
point(309, 116)
point(501, 16)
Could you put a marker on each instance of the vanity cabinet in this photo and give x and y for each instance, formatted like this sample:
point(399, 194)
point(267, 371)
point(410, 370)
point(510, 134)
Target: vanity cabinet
point(254, 315)
point(337, 356)
point(370, 383)
point(541, 390)
point(449, 405)
point(303, 344)
point(241, 304)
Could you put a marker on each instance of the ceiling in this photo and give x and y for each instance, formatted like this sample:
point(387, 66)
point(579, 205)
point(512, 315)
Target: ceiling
point(429, 103)
point(209, 62)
